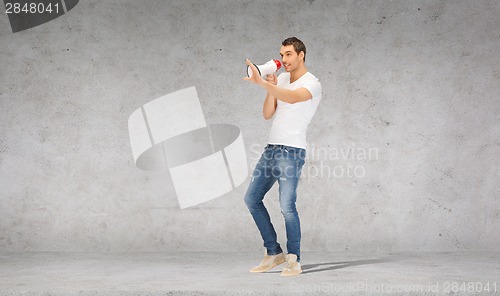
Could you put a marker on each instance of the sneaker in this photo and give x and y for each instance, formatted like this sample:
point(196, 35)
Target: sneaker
point(269, 262)
point(292, 266)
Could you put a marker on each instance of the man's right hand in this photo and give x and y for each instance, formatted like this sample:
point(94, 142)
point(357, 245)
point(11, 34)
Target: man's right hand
point(271, 78)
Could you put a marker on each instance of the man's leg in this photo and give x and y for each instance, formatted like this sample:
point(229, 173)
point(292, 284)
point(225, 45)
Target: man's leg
point(262, 180)
point(290, 167)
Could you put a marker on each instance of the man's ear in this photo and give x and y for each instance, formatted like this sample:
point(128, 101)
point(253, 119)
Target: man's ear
point(301, 55)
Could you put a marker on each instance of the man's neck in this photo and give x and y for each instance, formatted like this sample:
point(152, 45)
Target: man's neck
point(297, 73)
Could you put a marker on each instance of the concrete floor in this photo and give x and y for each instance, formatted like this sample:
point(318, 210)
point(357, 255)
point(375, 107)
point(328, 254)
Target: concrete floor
point(227, 274)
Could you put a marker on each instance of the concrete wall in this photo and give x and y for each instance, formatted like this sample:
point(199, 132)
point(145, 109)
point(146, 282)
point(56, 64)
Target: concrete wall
point(414, 83)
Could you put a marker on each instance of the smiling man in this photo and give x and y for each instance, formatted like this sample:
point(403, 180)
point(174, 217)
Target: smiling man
point(292, 98)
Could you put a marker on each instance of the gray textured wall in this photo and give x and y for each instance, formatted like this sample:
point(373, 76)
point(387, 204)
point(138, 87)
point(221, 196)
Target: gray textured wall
point(415, 82)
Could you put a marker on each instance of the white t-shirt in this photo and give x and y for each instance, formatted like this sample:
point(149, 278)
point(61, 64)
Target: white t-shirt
point(291, 120)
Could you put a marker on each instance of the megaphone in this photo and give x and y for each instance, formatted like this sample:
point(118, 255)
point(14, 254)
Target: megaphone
point(268, 68)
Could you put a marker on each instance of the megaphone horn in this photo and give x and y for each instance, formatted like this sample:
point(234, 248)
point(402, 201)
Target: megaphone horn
point(268, 68)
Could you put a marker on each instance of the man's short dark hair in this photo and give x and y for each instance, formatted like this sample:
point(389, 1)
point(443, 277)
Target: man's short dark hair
point(298, 45)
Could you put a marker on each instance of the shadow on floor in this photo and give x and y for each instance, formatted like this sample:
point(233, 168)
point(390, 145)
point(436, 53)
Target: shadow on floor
point(310, 268)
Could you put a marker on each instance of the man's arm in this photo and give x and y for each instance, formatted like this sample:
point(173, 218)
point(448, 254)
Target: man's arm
point(269, 106)
point(287, 95)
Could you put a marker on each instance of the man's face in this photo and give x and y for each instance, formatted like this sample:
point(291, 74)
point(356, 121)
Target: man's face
point(290, 58)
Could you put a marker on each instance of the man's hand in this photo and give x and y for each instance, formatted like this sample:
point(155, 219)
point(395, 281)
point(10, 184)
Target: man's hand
point(255, 74)
point(271, 78)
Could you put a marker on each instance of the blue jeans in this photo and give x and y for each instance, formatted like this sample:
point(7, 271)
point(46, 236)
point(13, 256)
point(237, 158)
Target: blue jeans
point(283, 164)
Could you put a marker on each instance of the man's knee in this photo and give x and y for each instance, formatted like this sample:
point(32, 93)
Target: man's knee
point(251, 199)
point(288, 209)
point(248, 201)
point(287, 200)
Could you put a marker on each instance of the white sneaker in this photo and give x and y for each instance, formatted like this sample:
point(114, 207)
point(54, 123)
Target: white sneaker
point(269, 262)
point(293, 267)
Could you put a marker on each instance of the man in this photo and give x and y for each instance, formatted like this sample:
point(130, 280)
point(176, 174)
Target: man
point(292, 98)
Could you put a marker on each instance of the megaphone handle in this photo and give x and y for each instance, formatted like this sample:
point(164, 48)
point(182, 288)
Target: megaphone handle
point(258, 69)
point(255, 67)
